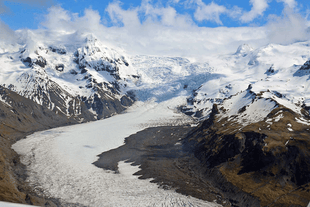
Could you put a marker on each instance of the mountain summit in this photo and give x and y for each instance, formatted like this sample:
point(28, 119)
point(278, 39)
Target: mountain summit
point(73, 79)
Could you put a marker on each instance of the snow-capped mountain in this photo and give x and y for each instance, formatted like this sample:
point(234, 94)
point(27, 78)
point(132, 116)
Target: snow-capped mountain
point(256, 134)
point(251, 108)
point(71, 79)
point(255, 104)
point(85, 75)
point(277, 69)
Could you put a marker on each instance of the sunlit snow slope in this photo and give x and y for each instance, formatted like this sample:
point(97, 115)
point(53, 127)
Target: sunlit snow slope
point(75, 75)
point(273, 68)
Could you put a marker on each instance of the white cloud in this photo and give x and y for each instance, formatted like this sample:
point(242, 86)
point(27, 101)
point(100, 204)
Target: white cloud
point(288, 28)
point(6, 34)
point(151, 14)
point(57, 18)
point(210, 12)
point(162, 32)
point(164, 15)
point(174, 1)
point(119, 16)
point(289, 3)
point(61, 20)
point(258, 8)
point(235, 12)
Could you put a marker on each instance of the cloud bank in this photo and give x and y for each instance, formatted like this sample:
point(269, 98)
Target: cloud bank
point(157, 29)
point(6, 34)
point(290, 27)
point(162, 32)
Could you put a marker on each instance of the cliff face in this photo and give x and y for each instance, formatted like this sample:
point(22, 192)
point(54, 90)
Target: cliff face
point(267, 157)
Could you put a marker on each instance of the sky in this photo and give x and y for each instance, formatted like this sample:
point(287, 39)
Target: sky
point(172, 27)
point(20, 14)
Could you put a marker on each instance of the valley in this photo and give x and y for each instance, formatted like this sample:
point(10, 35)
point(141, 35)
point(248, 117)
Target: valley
point(224, 130)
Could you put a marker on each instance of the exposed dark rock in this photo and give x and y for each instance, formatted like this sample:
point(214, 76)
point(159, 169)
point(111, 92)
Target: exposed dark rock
point(135, 76)
point(126, 101)
point(40, 61)
point(83, 70)
point(266, 164)
point(126, 63)
point(271, 71)
point(159, 157)
point(303, 70)
point(306, 66)
point(27, 61)
point(73, 72)
point(60, 67)
point(279, 95)
point(60, 51)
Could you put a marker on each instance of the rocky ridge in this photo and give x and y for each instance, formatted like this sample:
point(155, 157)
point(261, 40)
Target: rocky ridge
point(260, 145)
point(61, 77)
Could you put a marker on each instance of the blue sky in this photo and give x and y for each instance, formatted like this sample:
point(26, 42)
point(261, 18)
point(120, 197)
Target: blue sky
point(20, 14)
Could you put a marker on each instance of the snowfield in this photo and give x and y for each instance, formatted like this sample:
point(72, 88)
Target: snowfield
point(59, 161)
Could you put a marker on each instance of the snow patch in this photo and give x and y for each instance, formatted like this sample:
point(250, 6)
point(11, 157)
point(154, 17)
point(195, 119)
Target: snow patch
point(245, 108)
point(302, 121)
point(4, 101)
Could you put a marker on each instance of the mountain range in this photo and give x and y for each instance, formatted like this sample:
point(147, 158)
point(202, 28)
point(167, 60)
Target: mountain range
point(250, 108)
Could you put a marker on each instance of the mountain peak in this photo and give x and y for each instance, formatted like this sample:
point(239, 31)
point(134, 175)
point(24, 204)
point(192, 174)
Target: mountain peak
point(91, 38)
point(244, 49)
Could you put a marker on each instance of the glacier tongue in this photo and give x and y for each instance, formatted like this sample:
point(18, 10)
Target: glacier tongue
point(59, 161)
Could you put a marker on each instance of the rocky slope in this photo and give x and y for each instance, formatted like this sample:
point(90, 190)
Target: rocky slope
point(259, 143)
point(62, 76)
point(256, 139)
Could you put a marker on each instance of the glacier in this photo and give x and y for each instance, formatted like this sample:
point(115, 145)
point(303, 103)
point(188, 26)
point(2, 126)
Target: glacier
point(59, 161)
